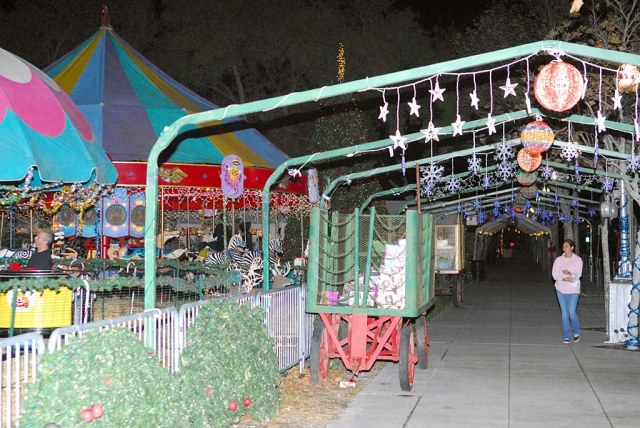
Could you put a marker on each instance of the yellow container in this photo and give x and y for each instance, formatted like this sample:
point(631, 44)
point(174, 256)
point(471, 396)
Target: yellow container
point(35, 309)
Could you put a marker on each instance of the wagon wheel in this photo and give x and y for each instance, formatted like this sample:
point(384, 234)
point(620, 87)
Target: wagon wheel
point(319, 354)
point(408, 357)
point(457, 291)
point(422, 342)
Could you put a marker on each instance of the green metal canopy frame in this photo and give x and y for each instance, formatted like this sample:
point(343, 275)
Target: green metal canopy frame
point(174, 129)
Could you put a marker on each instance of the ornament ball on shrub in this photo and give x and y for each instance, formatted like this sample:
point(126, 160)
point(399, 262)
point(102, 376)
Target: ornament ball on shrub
point(246, 402)
point(537, 137)
point(233, 406)
point(86, 415)
point(559, 86)
point(97, 410)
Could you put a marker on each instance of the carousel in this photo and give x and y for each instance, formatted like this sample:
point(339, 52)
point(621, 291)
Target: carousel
point(212, 174)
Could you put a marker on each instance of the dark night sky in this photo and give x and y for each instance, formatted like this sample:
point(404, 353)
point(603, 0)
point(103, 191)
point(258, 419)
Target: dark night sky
point(461, 12)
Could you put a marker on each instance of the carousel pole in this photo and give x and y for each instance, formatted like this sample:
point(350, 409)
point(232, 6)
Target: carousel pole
point(31, 225)
point(224, 220)
point(2, 227)
point(418, 185)
point(161, 221)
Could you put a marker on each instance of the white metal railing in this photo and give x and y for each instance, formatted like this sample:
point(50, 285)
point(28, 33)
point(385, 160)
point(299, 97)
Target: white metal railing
point(287, 324)
point(18, 365)
point(163, 345)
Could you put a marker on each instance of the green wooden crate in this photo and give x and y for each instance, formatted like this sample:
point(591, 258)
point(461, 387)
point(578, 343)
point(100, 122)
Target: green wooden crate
point(376, 265)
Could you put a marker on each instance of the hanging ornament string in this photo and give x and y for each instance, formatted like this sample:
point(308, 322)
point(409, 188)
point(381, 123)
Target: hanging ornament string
point(474, 95)
point(384, 109)
point(491, 122)
point(413, 105)
point(526, 94)
point(457, 125)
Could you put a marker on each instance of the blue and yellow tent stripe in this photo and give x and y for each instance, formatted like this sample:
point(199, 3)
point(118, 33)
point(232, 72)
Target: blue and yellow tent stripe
point(128, 101)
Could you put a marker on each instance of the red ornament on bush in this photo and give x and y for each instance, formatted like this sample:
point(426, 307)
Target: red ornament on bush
point(246, 402)
point(97, 410)
point(558, 86)
point(233, 406)
point(86, 415)
point(537, 137)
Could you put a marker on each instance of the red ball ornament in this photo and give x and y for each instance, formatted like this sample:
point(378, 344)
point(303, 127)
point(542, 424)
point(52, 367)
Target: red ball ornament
point(537, 137)
point(233, 406)
point(246, 402)
point(87, 415)
point(97, 410)
point(527, 161)
point(558, 86)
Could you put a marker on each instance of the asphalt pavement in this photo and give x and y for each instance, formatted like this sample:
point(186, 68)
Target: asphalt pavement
point(499, 361)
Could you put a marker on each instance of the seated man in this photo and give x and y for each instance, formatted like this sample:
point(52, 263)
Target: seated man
point(41, 259)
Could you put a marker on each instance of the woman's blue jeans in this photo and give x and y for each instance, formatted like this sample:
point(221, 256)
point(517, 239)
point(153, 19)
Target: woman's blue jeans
point(568, 305)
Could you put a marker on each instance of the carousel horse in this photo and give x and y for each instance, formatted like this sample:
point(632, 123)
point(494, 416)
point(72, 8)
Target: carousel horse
point(137, 253)
point(241, 256)
point(18, 253)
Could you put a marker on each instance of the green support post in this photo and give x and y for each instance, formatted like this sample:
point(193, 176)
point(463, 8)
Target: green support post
point(411, 265)
point(314, 261)
point(367, 268)
point(356, 247)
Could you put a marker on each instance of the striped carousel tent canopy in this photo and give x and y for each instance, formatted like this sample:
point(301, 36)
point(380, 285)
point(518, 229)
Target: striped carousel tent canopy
point(128, 101)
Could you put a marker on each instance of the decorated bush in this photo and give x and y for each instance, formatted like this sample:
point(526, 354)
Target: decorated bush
point(228, 367)
point(107, 378)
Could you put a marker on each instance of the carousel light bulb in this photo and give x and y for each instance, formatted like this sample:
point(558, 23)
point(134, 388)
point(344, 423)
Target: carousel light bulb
point(554, 176)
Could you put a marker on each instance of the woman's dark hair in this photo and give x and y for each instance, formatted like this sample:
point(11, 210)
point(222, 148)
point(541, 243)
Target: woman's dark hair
point(571, 243)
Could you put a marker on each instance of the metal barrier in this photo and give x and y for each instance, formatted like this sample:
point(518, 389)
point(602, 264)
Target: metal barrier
point(285, 317)
point(18, 365)
point(164, 345)
point(288, 324)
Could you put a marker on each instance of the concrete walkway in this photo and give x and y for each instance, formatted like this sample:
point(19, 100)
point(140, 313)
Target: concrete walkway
point(499, 361)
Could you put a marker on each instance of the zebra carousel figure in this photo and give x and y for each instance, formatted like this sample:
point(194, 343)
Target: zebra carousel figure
point(237, 254)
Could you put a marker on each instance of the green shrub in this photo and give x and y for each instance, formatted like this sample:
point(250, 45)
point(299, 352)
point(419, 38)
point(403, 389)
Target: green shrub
point(228, 357)
point(111, 368)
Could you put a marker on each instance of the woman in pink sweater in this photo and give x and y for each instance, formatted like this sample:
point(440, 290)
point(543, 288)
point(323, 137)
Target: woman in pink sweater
point(567, 270)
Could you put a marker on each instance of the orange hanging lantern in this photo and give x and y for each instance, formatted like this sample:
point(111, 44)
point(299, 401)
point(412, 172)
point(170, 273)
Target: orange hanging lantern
point(628, 77)
point(529, 162)
point(537, 137)
point(558, 86)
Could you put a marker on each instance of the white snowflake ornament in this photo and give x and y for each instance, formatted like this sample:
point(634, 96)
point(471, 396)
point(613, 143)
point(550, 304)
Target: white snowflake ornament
point(569, 152)
point(475, 164)
point(505, 171)
point(431, 174)
point(453, 184)
point(504, 152)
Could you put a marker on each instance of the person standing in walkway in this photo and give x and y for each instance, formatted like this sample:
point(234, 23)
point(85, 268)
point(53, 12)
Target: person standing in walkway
point(567, 270)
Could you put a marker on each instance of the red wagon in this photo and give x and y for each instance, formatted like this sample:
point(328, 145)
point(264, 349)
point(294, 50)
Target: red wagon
point(370, 280)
